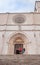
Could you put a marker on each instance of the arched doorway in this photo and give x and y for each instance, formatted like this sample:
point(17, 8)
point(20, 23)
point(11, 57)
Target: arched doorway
point(17, 41)
point(18, 45)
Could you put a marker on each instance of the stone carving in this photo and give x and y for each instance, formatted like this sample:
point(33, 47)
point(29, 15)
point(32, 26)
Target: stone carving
point(19, 18)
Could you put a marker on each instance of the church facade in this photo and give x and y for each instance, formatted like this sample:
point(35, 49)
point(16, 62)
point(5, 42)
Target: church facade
point(20, 30)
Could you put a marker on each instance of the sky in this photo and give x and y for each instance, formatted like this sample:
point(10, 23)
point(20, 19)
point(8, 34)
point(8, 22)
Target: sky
point(17, 5)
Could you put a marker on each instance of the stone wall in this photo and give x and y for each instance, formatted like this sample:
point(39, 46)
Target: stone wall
point(20, 60)
point(30, 28)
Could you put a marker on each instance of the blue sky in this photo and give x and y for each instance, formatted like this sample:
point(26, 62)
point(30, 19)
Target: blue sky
point(17, 5)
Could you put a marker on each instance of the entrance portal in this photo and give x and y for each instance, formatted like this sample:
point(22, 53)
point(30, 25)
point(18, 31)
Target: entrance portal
point(17, 42)
point(18, 48)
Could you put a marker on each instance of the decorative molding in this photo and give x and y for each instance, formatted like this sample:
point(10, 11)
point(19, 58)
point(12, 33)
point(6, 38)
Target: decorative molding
point(19, 18)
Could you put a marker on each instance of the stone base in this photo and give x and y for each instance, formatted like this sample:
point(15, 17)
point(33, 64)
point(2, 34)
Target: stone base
point(20, 60)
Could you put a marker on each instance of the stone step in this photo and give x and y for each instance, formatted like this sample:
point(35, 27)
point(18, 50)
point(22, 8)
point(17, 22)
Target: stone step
point(19, 59)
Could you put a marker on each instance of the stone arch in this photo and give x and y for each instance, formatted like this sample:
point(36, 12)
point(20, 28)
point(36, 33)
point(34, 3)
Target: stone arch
point(18, 37)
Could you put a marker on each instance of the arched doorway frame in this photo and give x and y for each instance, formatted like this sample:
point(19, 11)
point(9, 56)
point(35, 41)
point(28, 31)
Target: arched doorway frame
point(12, 40)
